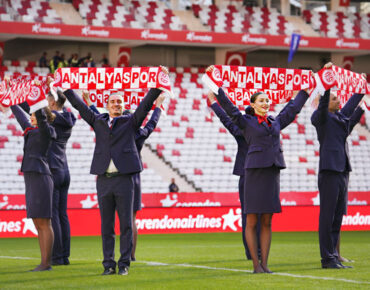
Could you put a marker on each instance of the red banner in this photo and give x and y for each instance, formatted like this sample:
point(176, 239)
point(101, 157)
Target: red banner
point(13, 223)
point(344, 3)
point(62, 31)
point(192, 199)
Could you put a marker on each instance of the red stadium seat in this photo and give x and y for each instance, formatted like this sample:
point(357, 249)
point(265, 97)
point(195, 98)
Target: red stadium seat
point(176, 153)
point(309, 142)
point(220, 147)
point(175, 124)
point(76, 145)
point(19, 158)
point(311, 171)
point(302, 159)
point(179, 141)
point(222, 130)
point(184, 118)
point(227, 159)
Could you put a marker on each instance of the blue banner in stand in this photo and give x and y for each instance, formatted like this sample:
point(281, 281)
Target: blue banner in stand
point(294, 44)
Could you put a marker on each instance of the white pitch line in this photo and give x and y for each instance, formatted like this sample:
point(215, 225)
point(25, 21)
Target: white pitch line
point(249, 271)
point(152, 263)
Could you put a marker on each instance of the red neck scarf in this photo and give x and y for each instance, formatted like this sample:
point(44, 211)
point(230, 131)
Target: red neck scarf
point(28, 129)
point(263, 119)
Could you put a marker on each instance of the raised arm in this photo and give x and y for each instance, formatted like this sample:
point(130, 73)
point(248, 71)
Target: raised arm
point(236, 117)
point(21, 117)
point(292, 109)
point(355, 118)
point(321, 113)
point(225, 120)
point(351, 104)
point(94, 109)
point(86, 113)
point(44, 127)
point(144, 108)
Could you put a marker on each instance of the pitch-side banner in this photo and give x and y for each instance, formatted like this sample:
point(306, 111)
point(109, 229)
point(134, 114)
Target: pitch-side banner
point(13, 223)
point(192, 199)
point(62, 31)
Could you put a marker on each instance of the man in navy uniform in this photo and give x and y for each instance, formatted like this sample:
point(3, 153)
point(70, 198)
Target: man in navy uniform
point(333, 127)
point(115, 161)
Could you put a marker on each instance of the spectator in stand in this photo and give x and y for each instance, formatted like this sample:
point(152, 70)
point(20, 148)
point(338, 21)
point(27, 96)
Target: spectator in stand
point(105, 61)
point(73, 61)
point(87, 61)
point(173, 186)
point(262, 165)
point(56, 58)
point(62, 61)
point(43, 62)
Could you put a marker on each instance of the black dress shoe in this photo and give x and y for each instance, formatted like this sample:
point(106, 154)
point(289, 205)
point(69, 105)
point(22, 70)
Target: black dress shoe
point(344, 266)
point(57, 263)
point(123, 271)
point(66, 261)
point(109, 271)
point(332, 265)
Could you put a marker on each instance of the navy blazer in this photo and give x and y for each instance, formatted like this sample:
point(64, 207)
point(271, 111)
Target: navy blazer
point(117, 143)
point(143, 133)
point(36, 142)
point(63, 124)
point(239, 138)
point(264, 141)
point(332, 131)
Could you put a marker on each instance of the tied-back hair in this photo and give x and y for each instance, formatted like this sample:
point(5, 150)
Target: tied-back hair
point(61, 99)
point(50, 116)
point(249, 110)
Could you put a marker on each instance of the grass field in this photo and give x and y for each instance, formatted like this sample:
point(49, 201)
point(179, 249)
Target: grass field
point(190, 261)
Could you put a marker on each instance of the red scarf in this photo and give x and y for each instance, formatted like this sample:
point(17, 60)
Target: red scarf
point(263, 119)
point(28, 129)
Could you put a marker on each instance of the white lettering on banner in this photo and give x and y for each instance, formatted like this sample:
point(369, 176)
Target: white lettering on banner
point(316, 199)
point(302, 41)
point(288, 202)
point(168, 202)
point(88, 31)
point(355, 220)
point(199, 222)
point(191, 36)
point(38, 28)
point(15, 226)
point(190, 222)
point(342, 43)
point(146, 34)
point(88, 202)
point(246, 38)
point(353, 202)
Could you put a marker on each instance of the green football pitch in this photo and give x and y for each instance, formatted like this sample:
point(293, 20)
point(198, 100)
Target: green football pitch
point(190, 261)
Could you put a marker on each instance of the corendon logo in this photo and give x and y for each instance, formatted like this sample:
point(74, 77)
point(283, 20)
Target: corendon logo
point(5, 204)
point(146, 34)
point(38, 28)
point(355, 220)
point(246, 38)
point(173, 202)
point(227, 221)
point(342, 43)
point(191, 36)
point(16, 226)
point(94, 32)
point(302, 42)
point(355, 201)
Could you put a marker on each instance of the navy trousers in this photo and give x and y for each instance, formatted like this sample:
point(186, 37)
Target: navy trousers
point(116, 193)
point(332, 186)
point(59, 220)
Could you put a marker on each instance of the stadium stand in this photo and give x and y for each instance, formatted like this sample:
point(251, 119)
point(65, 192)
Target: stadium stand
point(192, 141)
point(240, 19)
point(339, 24)
point(29, 11)
point(134, 14)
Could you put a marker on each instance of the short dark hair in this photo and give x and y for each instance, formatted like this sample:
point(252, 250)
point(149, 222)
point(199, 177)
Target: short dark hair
point(61, 99)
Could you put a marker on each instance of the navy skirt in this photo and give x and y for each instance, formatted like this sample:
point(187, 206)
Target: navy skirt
point(137, 192)
point(262, 190)
point(39, 192)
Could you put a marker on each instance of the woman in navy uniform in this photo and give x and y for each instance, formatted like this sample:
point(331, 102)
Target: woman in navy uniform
point(239, 164)
point(262, 165)
point(333, 126)
point(38, 135)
